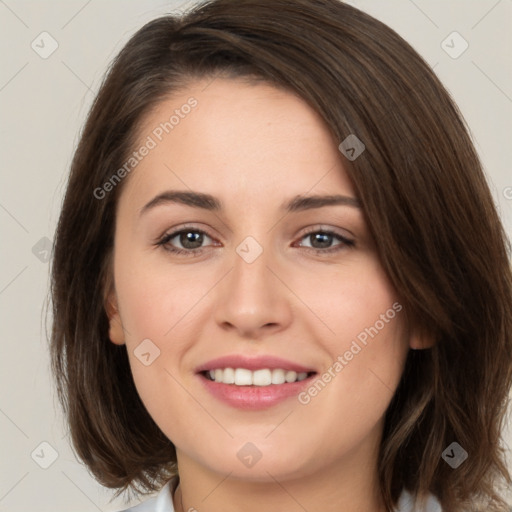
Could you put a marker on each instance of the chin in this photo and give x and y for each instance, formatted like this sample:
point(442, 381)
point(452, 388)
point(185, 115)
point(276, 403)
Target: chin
point(258, 462)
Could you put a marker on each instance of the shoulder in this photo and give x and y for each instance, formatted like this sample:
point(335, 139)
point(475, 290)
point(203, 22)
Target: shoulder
point(162, 502)
point(406, 504)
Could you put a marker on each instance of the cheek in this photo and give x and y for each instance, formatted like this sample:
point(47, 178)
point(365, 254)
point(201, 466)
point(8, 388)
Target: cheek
point(155, 301)
point(154, 309)
point(162, 314)
point(348, 299)
point(366, 343)
point(163, 393)
point(365, 362)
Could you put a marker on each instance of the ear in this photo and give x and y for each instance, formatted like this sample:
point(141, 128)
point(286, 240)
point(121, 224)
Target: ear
point(420, 340)
point(115, 330)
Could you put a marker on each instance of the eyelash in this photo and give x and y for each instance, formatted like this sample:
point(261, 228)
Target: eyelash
point(164, 242)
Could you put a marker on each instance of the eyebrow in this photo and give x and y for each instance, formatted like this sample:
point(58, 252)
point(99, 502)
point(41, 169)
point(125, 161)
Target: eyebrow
point(211, 203)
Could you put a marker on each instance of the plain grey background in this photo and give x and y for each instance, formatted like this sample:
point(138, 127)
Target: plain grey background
point(44, 98)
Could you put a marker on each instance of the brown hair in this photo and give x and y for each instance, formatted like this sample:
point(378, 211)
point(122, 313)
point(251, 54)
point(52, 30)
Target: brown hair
point(424, 195)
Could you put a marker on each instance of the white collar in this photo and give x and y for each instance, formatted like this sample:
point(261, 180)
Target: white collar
point(406, 501)
point(163, 501)
point(160, 503)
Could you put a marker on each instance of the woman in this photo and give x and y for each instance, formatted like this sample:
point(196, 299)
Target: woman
point(279, 279)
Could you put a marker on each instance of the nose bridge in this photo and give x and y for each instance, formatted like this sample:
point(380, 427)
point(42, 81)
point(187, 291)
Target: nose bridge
point(251, 298)
point(249, 280)
point(250, 272)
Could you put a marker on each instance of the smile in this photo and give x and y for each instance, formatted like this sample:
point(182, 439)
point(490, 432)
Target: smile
point(254, 383)
point(263, 377)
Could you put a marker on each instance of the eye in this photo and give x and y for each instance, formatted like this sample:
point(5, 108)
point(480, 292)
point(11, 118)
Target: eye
point(187, 241)
point(190, 241)
point(320, 241)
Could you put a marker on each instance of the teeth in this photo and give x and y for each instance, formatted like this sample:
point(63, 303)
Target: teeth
point(290, 376)
point(243, 377)
point(263, 377)
point(278, 377)
point(228, 377)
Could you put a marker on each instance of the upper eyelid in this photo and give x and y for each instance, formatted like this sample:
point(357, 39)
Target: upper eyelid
point(313, 229)
point(321, 228)
point(174, 233)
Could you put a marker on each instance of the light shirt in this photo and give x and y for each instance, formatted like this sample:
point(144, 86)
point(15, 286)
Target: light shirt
point(163, 502)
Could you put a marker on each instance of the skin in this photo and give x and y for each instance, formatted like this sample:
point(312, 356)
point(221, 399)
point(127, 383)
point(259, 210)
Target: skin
point(253, 146)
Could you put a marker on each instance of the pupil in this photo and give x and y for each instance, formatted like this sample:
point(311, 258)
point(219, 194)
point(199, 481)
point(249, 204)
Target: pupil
point(191, 240)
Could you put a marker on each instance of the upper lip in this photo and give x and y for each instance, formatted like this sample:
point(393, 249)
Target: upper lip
point(253, 363)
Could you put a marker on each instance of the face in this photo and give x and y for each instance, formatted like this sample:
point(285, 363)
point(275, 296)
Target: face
point(229, 265)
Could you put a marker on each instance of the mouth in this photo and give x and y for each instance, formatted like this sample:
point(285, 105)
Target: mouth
point(254, 383)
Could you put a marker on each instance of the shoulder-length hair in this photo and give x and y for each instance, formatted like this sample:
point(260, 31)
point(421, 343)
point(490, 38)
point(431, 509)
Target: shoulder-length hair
point(425, 198)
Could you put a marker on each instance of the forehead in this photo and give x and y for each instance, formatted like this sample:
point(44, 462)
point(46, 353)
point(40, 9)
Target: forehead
point(238, 140)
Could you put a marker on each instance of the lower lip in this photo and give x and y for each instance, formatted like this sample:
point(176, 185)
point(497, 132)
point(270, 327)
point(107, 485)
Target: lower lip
point(254, 398)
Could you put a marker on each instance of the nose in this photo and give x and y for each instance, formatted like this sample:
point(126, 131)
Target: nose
point(252, 300)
